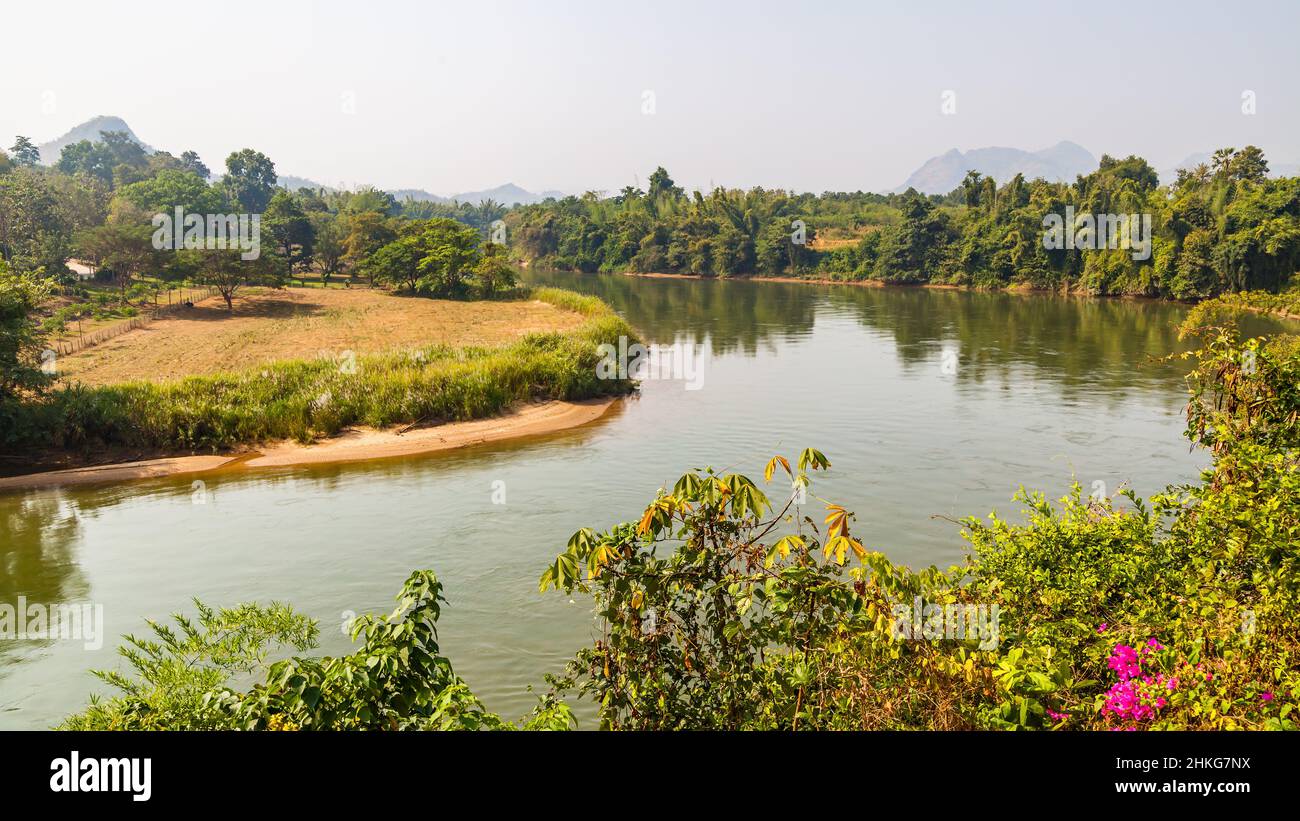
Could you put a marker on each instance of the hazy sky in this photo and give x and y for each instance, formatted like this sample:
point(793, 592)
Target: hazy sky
point(552, 95)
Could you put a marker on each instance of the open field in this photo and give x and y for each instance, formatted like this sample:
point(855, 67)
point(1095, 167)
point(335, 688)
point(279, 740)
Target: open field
point(258, 377)
point(298, 323)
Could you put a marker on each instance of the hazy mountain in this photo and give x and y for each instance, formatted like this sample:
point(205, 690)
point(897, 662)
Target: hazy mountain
point(294, 183)
point(508, 194)
point(1061, 162)
point(416, 194)
point(92, 130)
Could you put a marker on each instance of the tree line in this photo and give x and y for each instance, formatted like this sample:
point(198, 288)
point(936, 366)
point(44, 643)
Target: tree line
point(97, 204)
point(1220, 227)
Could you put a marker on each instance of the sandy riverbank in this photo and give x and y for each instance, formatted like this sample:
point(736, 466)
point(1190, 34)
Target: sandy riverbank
point(350, 446)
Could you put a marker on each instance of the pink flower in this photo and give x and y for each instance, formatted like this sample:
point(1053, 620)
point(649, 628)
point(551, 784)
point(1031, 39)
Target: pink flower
point(1103, 627)
point(1124, 661)
point(1055, 716)
point(1266, 696)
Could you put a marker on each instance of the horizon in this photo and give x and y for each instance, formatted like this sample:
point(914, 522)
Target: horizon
point(462, 100)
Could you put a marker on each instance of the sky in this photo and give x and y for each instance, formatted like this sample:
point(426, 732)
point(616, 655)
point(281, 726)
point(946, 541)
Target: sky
point(577, 96)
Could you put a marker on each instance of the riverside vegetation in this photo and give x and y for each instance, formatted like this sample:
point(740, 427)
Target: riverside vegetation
point(1215, 228)
point(729, 605)
point(305, 399)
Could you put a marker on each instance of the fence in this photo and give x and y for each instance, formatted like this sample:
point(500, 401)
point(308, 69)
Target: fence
point(64, 347)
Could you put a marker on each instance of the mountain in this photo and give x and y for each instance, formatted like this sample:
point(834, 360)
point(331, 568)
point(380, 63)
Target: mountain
point(416, 194)
point(294, 183)
point(508, 194)
point(1061, 162)
point(89, 130)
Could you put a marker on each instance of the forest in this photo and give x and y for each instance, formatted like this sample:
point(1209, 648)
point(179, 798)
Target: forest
point(1217, 228)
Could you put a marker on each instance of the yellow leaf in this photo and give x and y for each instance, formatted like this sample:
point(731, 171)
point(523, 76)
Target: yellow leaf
point(771, 467)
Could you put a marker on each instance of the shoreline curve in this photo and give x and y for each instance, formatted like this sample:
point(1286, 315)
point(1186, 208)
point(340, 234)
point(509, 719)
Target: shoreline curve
point(352, 445)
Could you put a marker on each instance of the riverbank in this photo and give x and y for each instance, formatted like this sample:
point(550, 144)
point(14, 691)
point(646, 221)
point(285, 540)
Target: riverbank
point(1017, 288)
point(307, 400)
point(352, 445)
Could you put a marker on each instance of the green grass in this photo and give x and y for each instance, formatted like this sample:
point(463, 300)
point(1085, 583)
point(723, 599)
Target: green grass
point(305, 399)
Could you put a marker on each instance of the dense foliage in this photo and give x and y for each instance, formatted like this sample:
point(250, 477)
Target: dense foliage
point(19, 334)
point(1213, 229)
point(1177, 613)
point(396, 679)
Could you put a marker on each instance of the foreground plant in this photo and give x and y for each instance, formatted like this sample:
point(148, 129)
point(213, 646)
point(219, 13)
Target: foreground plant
point(396, 679)
point(720, 611)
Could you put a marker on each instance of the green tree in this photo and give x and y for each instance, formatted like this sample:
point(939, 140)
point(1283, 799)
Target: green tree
point(125, 248)
point(250, 180)
point(493, 273)
point(191, 162)
point(20, 337)
point(228, 272)
point(25, 153)
point(290, 230)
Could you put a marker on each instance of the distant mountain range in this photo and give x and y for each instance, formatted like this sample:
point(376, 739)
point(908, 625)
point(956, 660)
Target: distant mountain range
point(93, 129)
point(1061, 162)
point(508, 194)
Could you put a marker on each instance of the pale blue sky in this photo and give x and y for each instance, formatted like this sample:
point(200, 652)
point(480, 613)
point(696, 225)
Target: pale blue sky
point(813, 96)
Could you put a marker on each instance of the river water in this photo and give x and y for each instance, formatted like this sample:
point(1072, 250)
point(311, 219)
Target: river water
point(927, 402)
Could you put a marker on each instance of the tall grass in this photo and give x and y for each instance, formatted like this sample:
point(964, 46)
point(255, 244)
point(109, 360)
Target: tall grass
point(304, 399)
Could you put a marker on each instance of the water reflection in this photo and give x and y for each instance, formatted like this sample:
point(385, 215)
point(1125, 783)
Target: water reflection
point(1094, 344)
point(39, 538)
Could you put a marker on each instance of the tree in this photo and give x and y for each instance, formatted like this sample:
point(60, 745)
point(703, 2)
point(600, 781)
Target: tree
point(250, 180)
point(330, 246)
point(116, 159)
point(397, 263)
point(126, 248)
point(34, 229)
point(367, 232)
point(432, 257)
point(494, 273)
point(173, 189)
point(227, 271)
point(20, 294)
point(290, 230)
point(970, 186)
point(25, 153)
point(451, 251)
point(662, 185)
point(190, 160)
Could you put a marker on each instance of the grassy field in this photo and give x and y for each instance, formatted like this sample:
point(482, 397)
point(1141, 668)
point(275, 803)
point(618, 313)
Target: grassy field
point(550, 352)
point(302, 323)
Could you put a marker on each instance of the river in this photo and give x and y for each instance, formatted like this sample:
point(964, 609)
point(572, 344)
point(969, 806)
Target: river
point(927, 402)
